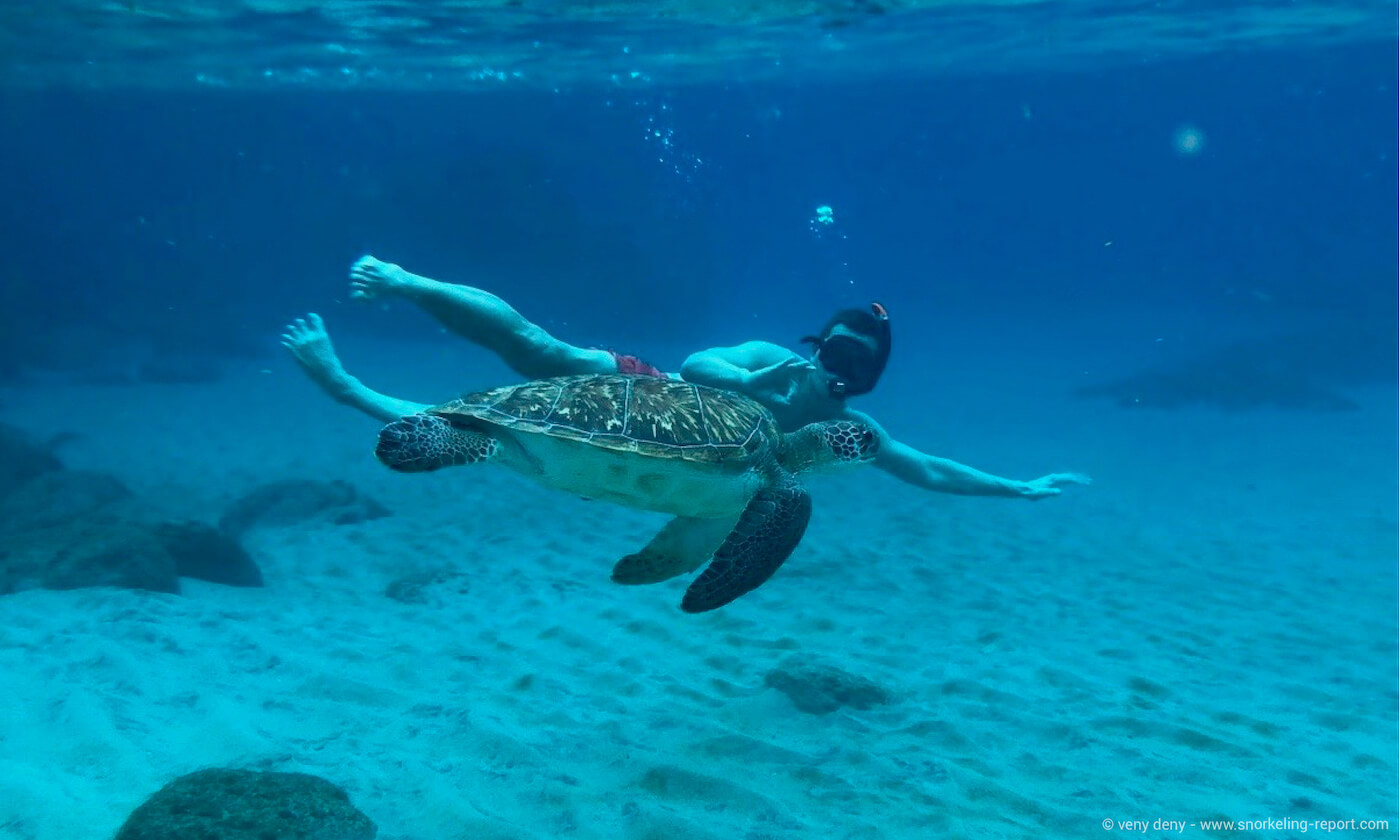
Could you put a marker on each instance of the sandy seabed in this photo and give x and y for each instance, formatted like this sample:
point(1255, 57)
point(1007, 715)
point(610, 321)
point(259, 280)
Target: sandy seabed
point(1209, 631)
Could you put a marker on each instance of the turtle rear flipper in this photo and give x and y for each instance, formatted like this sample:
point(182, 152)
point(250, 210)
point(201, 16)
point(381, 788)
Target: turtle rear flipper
point(682, 546)
point(424, 442)
point(769, 529)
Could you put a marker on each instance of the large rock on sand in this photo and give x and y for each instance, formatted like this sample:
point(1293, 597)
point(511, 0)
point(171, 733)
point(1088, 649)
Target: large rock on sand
point(222, 804)
point(71, 529)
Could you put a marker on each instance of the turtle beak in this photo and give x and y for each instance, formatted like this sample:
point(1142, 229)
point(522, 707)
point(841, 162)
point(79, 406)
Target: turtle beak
point(869, 444)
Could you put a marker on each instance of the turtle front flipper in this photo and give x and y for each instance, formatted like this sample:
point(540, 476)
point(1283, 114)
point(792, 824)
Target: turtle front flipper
point(769, 529)
point(682, 546)
point(425, 442)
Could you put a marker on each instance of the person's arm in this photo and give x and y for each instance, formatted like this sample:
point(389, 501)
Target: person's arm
point(755, 368)
point(366, 400)
point(311, 347)
point(942, 475)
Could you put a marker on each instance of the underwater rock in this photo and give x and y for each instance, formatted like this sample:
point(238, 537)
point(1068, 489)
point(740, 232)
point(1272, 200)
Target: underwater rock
point(248, 805)
point(206, 553)
point(428, 587)
point(95, 550)
point(106, 548)
point(821, 689)
point(1299, 372)
point(23, 458)
point(56, 498)
point(1230, 389)
point(299, 501)
point(68, 347)
point(72, 529)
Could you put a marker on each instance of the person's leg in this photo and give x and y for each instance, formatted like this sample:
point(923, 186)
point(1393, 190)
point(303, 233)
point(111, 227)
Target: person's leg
point(480, 317)
point(311, 347)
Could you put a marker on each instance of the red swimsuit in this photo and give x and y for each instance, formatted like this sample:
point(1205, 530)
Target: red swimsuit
point(633, 364)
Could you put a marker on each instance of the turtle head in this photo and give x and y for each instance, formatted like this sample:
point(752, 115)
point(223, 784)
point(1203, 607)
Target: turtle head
point(426, 442)
point(829, 443)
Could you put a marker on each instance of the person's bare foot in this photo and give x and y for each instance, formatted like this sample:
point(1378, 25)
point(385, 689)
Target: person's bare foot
point(310, 345)
point(371, 278)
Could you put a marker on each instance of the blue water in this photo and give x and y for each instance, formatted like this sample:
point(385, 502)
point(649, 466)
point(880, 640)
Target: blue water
point(1176, 272)
point(1058, 195)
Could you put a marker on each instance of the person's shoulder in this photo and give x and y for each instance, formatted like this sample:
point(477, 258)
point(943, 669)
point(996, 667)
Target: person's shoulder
point(848, 413)
point(748, 354)
point(766, 349)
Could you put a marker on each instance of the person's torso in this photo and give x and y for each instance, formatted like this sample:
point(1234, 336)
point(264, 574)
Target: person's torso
point(805, 403)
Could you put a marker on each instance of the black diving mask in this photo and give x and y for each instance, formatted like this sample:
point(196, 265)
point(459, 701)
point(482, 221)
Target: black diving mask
point(853, 349)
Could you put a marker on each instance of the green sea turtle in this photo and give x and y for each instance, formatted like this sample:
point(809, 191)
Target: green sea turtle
point(714, 459)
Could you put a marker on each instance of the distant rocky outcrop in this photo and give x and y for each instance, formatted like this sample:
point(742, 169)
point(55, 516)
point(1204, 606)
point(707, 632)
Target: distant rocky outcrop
point(1303, 371)
point(299, 502)
point(22, 458)
point(70, 529)
point(227, 804)
point(1230, 385)
point(65, 497)
point(204, 552)
point(95, 353)
point(92, 551)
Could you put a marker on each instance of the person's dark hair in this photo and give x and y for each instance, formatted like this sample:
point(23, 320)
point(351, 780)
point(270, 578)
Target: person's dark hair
point(855, 362)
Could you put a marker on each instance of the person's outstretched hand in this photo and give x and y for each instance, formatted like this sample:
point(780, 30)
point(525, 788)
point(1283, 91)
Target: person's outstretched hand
point(779, 381)
point(1049, 485)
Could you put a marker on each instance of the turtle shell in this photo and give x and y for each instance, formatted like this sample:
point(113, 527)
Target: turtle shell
point(647, 415)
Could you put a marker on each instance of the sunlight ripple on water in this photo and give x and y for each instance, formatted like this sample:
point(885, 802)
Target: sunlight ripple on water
point(408, 44)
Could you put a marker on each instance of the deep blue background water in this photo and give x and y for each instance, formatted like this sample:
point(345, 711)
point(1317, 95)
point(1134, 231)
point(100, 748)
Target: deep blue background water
point(205, 219)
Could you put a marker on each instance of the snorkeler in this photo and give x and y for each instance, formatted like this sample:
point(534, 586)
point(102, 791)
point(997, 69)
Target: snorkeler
point(848, 357)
